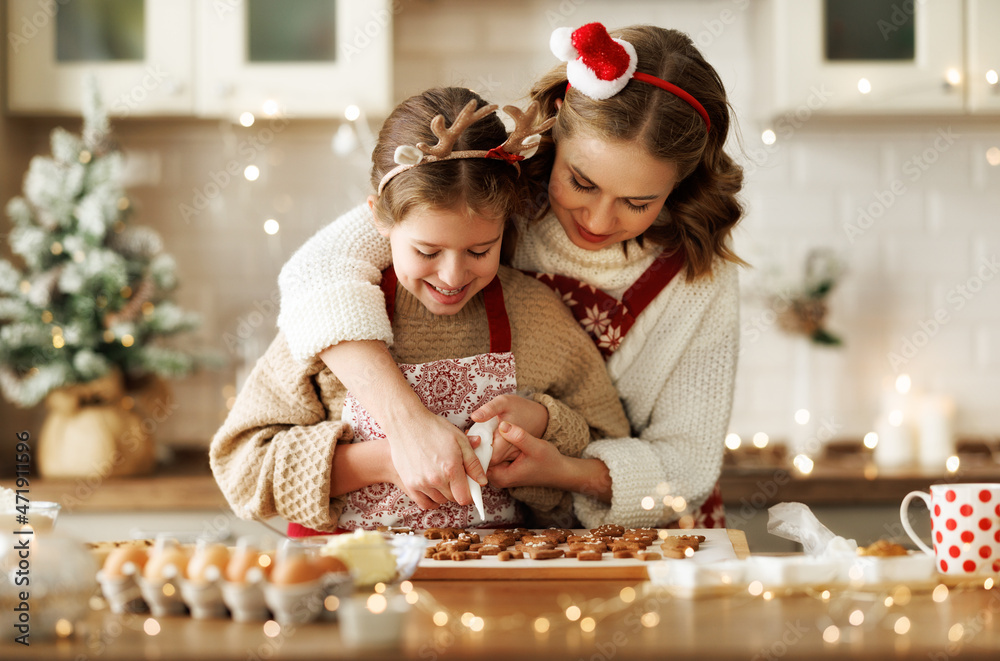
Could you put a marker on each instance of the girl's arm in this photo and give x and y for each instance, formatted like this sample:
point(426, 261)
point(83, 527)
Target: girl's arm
point(358, 465)
point(331, 305)
point(273, 454)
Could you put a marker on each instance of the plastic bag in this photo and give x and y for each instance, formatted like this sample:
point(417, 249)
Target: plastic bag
point(795, 521)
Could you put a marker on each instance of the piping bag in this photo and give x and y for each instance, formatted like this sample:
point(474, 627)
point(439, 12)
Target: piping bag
point(485, 431)
point(795, 521)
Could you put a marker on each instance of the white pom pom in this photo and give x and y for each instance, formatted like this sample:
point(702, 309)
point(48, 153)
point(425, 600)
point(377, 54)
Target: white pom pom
point(407, 155)
point(531, 142)
point(561, 44)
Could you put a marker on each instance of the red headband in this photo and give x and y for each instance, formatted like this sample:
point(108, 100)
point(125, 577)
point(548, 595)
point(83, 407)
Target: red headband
point(600, 67)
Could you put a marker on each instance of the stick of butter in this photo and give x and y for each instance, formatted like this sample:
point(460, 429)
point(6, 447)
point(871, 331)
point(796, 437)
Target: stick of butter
point(485, 431)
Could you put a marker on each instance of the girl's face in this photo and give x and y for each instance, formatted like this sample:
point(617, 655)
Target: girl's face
point(605, 192)
point(444, 256)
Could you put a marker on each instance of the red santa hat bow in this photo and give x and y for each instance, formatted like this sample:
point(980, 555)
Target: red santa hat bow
point(599, 66)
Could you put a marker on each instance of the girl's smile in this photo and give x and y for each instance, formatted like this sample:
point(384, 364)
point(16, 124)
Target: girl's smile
point(444, 257)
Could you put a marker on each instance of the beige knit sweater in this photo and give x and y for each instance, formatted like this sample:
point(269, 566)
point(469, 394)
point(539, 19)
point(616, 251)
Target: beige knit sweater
point(274, 453)
point(674, 371)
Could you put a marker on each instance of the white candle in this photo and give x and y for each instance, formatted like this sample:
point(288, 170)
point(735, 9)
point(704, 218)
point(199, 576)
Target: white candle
point(937, 430)
point(375, 620)
point(895, 443)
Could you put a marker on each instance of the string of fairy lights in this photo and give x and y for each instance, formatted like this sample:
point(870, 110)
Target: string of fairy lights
point(849, 612)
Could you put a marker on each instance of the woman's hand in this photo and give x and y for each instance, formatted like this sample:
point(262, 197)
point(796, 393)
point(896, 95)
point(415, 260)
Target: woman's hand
point(430, 455)
point(526, 413)
point(536, 462)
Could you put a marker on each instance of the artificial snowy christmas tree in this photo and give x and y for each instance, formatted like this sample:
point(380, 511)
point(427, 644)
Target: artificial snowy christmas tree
point(92, 299)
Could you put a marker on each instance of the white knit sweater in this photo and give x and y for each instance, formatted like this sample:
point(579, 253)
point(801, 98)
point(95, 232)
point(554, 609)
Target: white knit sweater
point(674, 370)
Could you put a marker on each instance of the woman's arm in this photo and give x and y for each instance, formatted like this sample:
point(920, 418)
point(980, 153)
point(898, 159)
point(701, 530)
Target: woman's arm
point(332, 305)
point(330, 287)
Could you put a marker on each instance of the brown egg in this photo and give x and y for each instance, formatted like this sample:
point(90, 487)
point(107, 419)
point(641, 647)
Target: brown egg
point(208, 563)
point(244, 561)
point(166, 564)
point(294, 570)
point(125, 561)
point(329, 564)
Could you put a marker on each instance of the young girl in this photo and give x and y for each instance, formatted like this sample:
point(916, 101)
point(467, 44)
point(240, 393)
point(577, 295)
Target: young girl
point(638, 200)
point(467, 331)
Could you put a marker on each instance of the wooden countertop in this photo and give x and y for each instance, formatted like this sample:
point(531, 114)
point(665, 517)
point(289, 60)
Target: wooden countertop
point(183, 484)
point(845, 476)
point(652, 625)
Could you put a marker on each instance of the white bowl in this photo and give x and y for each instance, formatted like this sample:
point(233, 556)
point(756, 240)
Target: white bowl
point(373, 557)
point(41, 517)
point(712, 576)
point(916, 567)
point(793, 571)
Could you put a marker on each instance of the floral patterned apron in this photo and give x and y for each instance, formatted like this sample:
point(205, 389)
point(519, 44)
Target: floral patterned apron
point(453, 389)
point(607, 320)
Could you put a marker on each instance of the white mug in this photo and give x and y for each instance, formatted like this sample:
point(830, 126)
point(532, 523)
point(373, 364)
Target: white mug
point(965, 526)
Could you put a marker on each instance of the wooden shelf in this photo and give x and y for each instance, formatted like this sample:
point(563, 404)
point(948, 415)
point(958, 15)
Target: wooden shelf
point(845, 475)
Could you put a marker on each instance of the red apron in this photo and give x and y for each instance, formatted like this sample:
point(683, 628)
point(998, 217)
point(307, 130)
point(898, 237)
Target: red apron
point(453, 389)
point(607, 320)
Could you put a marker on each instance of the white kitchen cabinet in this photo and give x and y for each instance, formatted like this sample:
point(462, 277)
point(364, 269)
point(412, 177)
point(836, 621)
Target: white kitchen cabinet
point(876, 57)
point(330, 56)
point(206, 58)
point(139, 52)
point(984, 55)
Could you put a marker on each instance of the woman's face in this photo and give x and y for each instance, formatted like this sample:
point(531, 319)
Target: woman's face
point(444, 257)
point(605, 192)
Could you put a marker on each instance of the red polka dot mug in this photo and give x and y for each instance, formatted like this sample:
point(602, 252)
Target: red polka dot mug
point(965, 526)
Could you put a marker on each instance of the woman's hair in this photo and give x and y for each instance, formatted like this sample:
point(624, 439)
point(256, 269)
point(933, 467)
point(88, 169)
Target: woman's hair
point(701, 211)
point(484, 187)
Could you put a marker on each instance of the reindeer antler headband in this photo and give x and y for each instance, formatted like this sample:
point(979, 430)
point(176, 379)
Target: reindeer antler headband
point(600, 67)
point(522, 142)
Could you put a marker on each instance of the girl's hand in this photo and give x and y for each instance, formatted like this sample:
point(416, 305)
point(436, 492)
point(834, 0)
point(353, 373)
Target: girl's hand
point(502, 450)
point(527, 414)
point(537, 462)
